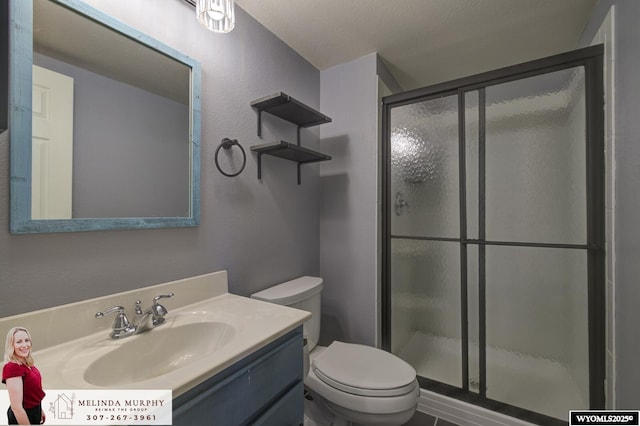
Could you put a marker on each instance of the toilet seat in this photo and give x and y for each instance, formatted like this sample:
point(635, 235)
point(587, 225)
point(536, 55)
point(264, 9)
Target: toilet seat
point(361, 409)
point(363, 370)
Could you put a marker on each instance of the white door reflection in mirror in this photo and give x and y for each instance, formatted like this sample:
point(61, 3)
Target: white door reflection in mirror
point(52, 145)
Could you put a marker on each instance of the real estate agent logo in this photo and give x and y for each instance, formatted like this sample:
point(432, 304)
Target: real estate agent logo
point(62, 407)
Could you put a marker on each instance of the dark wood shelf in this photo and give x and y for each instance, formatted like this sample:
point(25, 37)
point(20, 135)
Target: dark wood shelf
point(290, 152)
point(284, 106)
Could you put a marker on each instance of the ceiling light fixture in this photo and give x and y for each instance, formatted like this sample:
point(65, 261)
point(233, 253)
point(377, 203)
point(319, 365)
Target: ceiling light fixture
point(216, 15)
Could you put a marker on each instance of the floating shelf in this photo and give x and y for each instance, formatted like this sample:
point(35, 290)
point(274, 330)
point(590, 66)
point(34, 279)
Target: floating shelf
point(284, 106)
point(290, 152)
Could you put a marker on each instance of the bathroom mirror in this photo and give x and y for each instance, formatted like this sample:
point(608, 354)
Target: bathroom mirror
point(104, 123)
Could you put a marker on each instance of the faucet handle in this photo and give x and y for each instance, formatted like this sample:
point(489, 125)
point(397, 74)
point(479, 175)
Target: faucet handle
point(121, 325)
point(119, 309)
point(158, 310)
point(162, 296)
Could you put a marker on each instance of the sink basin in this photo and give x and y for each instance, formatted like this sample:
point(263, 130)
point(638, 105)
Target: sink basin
point(158, 352)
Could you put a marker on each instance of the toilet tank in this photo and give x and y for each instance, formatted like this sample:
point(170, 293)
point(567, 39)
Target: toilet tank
point(302, 293)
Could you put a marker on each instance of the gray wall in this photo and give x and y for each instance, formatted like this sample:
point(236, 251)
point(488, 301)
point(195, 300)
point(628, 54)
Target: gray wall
point(627, 202)
point(261, 232)
point(348, 221)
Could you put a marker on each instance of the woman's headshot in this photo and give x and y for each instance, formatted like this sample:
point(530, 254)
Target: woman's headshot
point(23, 380)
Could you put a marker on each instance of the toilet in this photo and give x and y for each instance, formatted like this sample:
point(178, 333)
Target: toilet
point(356, 383)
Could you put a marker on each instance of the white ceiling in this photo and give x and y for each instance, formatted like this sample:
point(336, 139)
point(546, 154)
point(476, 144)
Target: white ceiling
point(425, 41)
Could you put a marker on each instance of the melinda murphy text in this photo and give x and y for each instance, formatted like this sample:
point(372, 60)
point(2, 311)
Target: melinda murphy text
point(121, 403)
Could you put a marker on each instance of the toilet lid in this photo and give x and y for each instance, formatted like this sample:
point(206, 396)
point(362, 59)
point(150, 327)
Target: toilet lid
point(364, 370)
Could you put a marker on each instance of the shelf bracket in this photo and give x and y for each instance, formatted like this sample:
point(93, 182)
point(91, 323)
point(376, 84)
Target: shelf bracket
point(299, 170)
point(298, 136)
point(259, 123)
point(259, 166)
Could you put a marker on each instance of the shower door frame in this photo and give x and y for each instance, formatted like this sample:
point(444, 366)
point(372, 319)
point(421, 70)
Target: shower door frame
point(591, 58)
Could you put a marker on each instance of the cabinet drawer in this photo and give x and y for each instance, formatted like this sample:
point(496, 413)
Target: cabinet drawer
point(287, 411)
point(235, 396)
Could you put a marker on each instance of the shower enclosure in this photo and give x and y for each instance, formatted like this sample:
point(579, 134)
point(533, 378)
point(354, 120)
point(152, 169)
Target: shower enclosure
point(493, 236)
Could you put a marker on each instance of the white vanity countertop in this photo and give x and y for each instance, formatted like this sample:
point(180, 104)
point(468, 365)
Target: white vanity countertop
point(254, 324)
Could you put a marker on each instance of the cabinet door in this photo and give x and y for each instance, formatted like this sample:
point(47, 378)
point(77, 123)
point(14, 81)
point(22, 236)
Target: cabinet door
point(239, 395)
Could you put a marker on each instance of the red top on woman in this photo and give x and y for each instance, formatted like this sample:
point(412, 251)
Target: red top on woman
point(32, 392)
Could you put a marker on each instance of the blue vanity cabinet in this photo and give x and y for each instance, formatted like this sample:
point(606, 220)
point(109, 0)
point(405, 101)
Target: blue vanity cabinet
point(265, 388)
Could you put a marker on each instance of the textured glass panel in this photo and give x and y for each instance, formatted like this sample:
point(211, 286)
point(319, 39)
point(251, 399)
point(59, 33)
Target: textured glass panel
point(424, 168)
point(472, 158)
point(535, 159)
point(473, 319)
point(425, 313)
point(537, 346)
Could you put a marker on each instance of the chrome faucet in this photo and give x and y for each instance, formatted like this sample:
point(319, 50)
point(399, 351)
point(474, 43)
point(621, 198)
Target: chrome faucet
point(155, 313)
point(145, 320)
point(121, 325)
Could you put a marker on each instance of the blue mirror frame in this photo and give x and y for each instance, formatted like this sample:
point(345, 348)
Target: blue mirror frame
point(20, 127)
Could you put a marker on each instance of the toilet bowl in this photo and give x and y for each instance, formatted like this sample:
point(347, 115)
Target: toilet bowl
point(357, 383)
point(364, 384)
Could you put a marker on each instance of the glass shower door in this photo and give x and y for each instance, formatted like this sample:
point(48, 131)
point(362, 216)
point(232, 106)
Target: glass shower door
point(494, 240)
point(527, 209)
point(425, 250)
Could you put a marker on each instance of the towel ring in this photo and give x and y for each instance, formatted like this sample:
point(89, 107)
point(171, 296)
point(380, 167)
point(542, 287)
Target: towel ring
point(227, 144)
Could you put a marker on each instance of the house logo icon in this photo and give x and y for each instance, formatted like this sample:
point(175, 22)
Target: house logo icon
point(62, 407)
